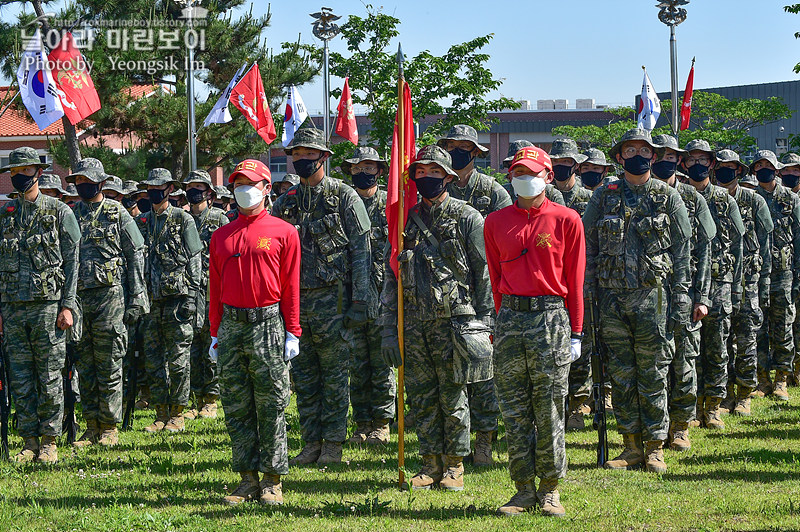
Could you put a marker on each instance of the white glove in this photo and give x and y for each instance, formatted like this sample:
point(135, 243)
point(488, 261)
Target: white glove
point(575, 349)
point(212, 350)
point(292, 348)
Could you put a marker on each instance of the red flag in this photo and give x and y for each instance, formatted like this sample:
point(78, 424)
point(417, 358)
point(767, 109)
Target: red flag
point(686, 108)
point(248, 97)
point(75, 87)
point(398, 172)
point(346, 117)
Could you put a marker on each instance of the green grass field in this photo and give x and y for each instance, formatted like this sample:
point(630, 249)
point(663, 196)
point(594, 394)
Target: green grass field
point(747, 478)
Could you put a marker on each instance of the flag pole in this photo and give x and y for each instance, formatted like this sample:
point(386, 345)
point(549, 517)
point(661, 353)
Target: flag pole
point(401, 150)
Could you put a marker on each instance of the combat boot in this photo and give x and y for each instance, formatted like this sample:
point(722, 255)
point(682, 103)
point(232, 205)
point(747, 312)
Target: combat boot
point(430, 474)
point(175, 423)
point(779, 389)
point(632, 457)
point(309, 454)
point(524, 500)
point(796, 371)
point(743, 401)
point(729, 403)
point(679, 436)
point(713, 419)
point(549, 499)
point(700, 412)
point(482, 456)
point(192, 413)
point(162, 418)
point(575, 418)
point(144, 398)
point(90, 436)
point(654, 457)
point(271, 490)
point(764, 387)
point(379, 435)
point(363, 429)
point(247, 490)
point(109, 437)
point(48, 453)
point(453, 477)
point(29, 452)
point(331, 453)
point(209, 408)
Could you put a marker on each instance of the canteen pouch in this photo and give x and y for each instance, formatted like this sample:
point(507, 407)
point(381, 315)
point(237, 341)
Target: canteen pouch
point(472, 351)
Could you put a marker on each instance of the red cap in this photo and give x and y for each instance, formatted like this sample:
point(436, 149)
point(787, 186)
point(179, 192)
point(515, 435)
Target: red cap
point(253, 170)
point(533, 158)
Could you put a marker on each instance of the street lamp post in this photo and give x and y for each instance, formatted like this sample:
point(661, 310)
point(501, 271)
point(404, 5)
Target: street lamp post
point(192, 127)
point(325, 30)
point(671, 13)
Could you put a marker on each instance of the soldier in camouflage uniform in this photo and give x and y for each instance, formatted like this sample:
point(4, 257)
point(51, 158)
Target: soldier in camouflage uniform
point(50, 185)
point(552, 193)
point(372, 383)
point(790, 176)
point(756, 268)
point(114, 188)
point(223, 198)
point(726, 283)
point(70, 197)
point(174, 276)
point(446, 293)
point(204, 376)
point(38, 277)
point(593, 171)
point(775, 339)
point(280, 187)
point(637, 265)
point(334, 293)
point(485, 195)
point(683, 371)
point(112, 294)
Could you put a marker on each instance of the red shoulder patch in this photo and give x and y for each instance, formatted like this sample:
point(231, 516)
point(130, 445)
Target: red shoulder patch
point(291, 192)
point(10, 208)
point(613, 186)
point(142, 218)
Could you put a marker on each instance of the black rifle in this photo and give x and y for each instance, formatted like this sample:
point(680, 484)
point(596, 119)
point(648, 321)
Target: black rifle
point(5, 403)
point(133, 376)
point(68, 425)
point(598, 387)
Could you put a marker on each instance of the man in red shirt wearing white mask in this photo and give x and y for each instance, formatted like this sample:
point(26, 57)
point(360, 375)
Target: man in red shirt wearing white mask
point(254, 319)
point(536, 256)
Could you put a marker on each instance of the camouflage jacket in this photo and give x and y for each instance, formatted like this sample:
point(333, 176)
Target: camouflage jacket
point(757, 248)
point(38, 252)
point(334, 235)
point(207, 222)
point(726, 246)
point(703, 231)
point(482, 192)
point(784, 207)
point(378, 238)
point(550, 191)
point(577, 197)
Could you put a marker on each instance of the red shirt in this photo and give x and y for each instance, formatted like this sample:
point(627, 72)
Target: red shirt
point(266, 270)
point(553, 264)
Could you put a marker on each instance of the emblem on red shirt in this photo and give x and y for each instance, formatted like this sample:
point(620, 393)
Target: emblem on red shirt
point(543, 240)
point(264, 243)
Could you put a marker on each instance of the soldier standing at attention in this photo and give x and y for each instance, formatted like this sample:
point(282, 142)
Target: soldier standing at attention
point(637, 265)
point(594, 170)
point(335, 294)
point(535, 252)
point(174, 277)
point(50, 185)
point(38, 276)
point(372, 383)
point(790, 175)
point(551, 192)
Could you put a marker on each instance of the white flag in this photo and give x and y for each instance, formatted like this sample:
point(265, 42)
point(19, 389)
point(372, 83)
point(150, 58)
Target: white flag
point(649, 105)
point(37, 86)
point(294, 115)
point(221, 114)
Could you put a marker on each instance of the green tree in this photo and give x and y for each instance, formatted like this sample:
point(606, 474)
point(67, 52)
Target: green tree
point(795, 9)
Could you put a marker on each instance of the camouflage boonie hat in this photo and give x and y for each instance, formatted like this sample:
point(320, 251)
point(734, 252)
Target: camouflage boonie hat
point(71, 191)
point(462, 132)
point(748, 179)
point(223, 192)
point(765, 155)
point(90, 168)
point(513, 148)
point(788, 159)
point(595, 156)
point(308, 137)
point(293, 179)
point(699, 145)
point(131, 187)
point(51, 182)
point(198, 176)
point(364, 153)
point(114, 184)
point(180, 193)
point(566, 149)
point(730, 156)
point(631, 135)
point(668, 141)
point(24, 156)
point(433, 154)
point(158, 177)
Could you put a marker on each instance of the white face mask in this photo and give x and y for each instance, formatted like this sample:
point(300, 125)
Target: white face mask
point(248, 196)
point(528, 186)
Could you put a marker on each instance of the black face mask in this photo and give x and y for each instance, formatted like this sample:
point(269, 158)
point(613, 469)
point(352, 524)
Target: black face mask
point(128, 203)
point(195, 196)
point(725, 175)
point(364, 180)
point(305, 168)
point(430, 187)
point(665, 169)
point(157, 195)
point(143, 204)
point(88, 190)
point(765, 175)
point(22, 183)
point(790, 180)
point(591, 179)
point(220, 206)
point(636, 165)
point(173, 202)
point(698, 172)
point(561, 172)
point(461, 158)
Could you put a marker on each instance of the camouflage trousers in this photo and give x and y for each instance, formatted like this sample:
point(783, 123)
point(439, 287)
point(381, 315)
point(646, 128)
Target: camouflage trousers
point(775, 338)
point(712, 367)
point(745, 323)
point(372, 382)
point(484, 411)
point(438, 402)
point(683, 373)
point(531, 370)
point(204, 378)
point(580, 371)
point(254, 381)
point(100, 352)
point(633, 324)
point(135, 342)
point(168, 334)
point(35, 350)
point(321, 371)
